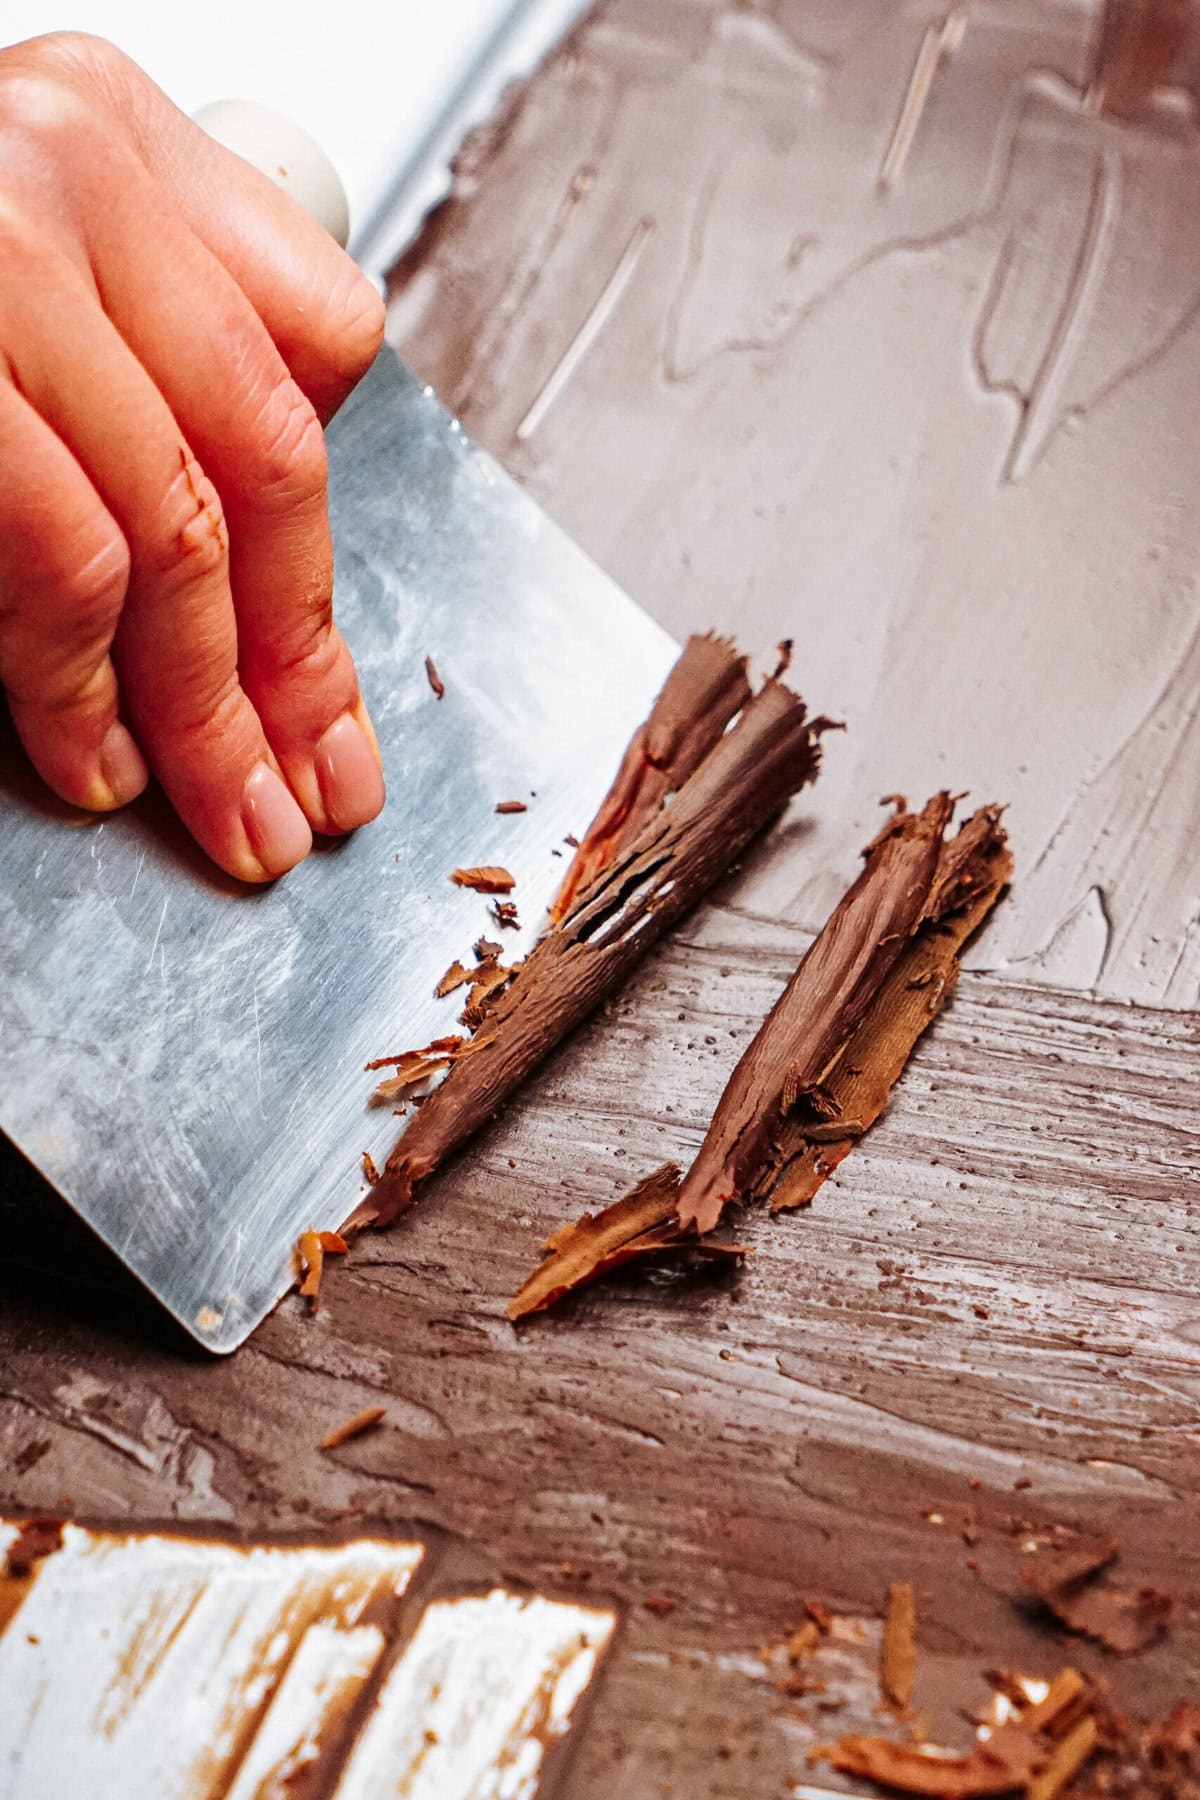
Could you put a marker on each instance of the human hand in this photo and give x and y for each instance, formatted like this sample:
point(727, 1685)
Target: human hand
point(173, 333)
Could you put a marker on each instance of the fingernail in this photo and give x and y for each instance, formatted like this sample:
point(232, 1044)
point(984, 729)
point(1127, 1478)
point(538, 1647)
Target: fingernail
point(122, 765)
point(277, 829)
point(359, 709)
point(348, 774)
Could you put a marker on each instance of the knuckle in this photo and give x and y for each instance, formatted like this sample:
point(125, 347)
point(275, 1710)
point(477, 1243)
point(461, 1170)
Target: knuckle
point(207, 709)
point(193, 544)
point(93, 592)
point(354, 340)
point(291, 451)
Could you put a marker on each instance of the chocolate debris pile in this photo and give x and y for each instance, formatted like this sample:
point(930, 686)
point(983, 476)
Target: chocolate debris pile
point(819, 1070)
point(693, 789)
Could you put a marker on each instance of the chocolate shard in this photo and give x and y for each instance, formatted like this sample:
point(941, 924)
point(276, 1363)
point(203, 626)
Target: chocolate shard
point(972, 872)
point(700, 828)
point(641, 1224)
point(435, 680)
point(1124, 1619)
point(704, 690)
point(489, 879)
point(511, 806)
point(820, 1069)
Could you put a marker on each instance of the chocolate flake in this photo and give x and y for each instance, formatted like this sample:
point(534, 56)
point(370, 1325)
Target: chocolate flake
point(487, 880)
point(456, 976)
point(1123, 1619)
point(654, 877)
point(435, 680)
point(370, 1172)
point(312, 1249)
point(414, 1068)
point(511, 806)
point(366, 1420)
point(898, 1663)
point(37, 1538)
point(505, 914)
point(820, 1068)
point(640, 1224)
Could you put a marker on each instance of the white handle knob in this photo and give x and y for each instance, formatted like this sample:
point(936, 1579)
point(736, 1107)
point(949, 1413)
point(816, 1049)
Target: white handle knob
point(279, 148)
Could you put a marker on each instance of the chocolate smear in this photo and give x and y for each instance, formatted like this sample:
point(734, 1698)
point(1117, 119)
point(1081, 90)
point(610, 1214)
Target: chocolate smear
point(1123, 1619)
point(488, 880)
point(435, 680)
point(657, 874)
point(707, 686)
point(820, 1068)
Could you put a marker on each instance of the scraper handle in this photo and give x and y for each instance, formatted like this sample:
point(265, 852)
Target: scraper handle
point(283, 151)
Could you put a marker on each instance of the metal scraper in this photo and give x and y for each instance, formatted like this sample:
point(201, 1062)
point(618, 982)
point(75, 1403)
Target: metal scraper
point(183, 1059)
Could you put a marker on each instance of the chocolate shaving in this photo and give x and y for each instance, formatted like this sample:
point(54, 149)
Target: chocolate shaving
point(784, 648)
point(314, 1246)
point(511, 806)
point(505, 914)
point(799, 1046)
point(1003, 1765)
point(971, 873)
point(456, 976)
point(819, 1070)
point(744, 781)
point(702, 693)
point(488, 880)
point(1065, 1761)
point(898, 1662)
point(35, 1539)
point(642, 1223)
point(1123, 1619)
point(414, 1068)
point(370, 1172)
point(435, 680)
point(352, 1428)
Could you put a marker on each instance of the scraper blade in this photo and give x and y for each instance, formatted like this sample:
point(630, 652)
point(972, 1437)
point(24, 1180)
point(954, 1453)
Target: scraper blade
point(183, 1058)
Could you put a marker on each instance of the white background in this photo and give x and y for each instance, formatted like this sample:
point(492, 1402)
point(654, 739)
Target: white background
point(368, 78)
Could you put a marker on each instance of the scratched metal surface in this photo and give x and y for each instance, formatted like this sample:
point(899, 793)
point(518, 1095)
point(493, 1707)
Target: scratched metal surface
point(184, 1059)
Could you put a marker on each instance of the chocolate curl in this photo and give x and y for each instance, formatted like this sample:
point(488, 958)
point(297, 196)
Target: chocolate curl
point(702, 693)
point(805, 1033)
point(819, 1071)
point(747, 778)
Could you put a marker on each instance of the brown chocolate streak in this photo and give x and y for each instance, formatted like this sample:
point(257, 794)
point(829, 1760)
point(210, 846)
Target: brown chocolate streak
point(702, 693)
point(745, 780)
